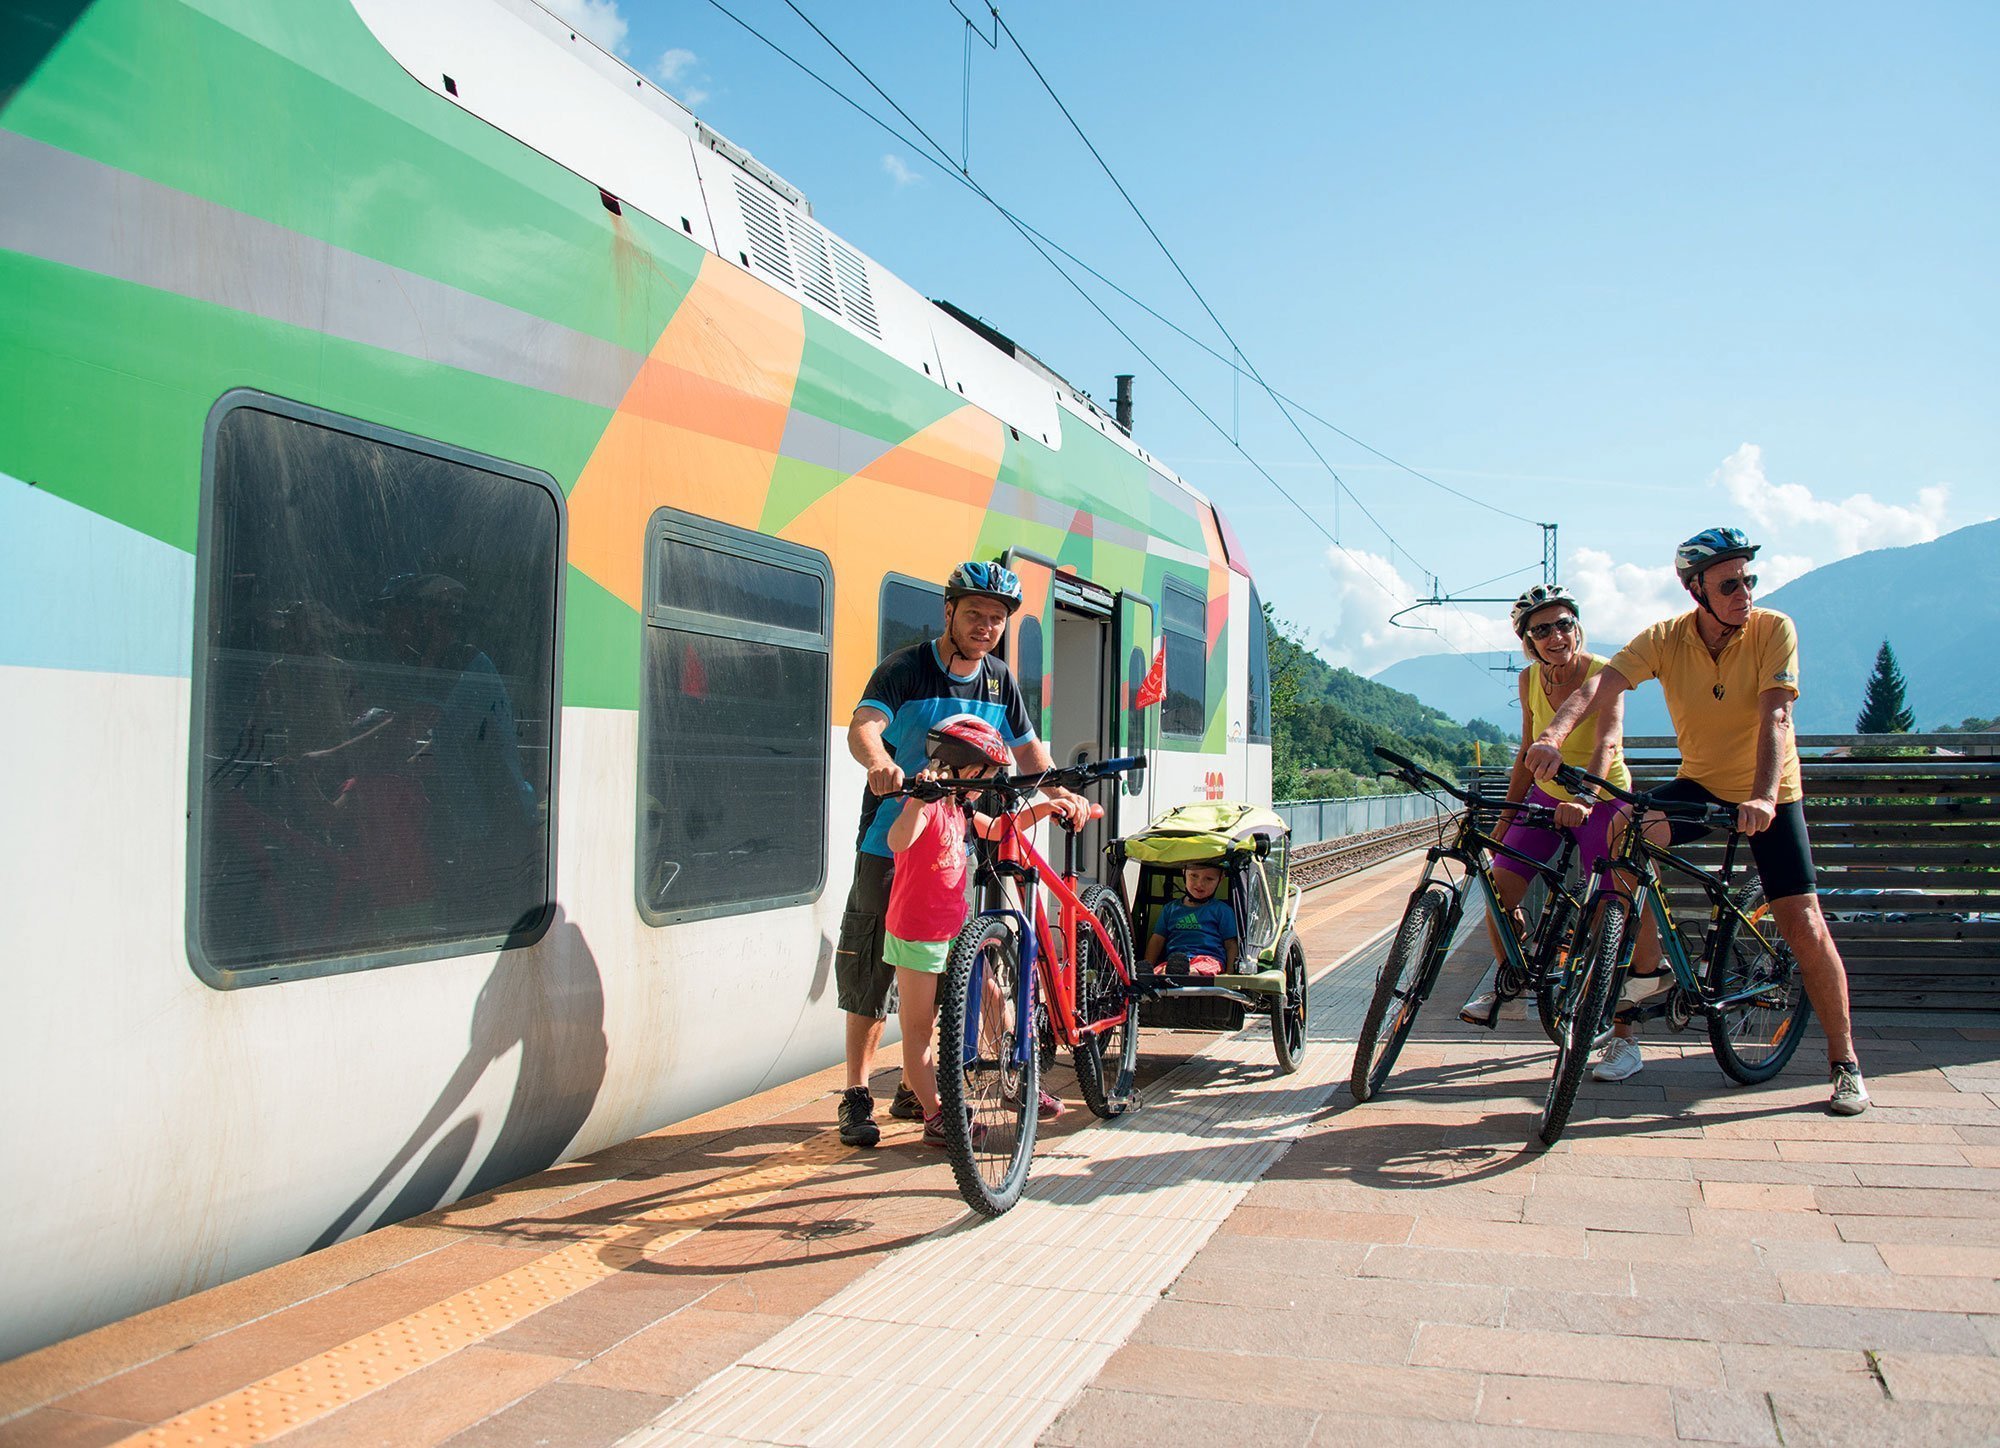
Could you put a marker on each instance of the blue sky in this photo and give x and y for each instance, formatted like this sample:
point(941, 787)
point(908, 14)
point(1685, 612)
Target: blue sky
point(1630, 269)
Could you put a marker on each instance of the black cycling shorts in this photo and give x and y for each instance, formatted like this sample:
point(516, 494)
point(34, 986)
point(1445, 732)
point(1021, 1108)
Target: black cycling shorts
point(1782, 852)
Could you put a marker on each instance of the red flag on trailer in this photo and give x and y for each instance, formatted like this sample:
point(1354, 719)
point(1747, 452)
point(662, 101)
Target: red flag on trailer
point(1154, 687)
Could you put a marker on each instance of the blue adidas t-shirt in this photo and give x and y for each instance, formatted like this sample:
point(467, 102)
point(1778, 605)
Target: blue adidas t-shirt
point(912, 688)
point(1197, 927)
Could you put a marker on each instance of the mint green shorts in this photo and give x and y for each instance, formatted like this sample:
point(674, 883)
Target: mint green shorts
point(925, 955)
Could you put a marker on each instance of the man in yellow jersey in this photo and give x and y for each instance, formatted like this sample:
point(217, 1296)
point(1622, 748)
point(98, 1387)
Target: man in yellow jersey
point(1730, 672)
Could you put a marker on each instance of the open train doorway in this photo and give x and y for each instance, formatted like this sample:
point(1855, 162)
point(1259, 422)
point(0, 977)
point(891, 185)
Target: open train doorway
point(1080, 719)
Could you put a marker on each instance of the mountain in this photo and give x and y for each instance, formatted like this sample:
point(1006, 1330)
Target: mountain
point(1934, 602)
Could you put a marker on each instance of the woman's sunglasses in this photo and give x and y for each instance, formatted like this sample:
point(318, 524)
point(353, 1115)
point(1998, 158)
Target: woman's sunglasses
point(1565, 624)
point(1728, 586)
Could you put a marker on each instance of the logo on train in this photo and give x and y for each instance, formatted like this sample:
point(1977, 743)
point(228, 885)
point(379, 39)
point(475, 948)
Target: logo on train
point(1211, 785)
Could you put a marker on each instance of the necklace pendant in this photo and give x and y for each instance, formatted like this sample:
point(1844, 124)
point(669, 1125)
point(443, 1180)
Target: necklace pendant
point(1717, 691)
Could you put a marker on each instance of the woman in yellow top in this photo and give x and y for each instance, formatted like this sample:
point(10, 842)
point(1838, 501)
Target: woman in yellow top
point(1550, 626)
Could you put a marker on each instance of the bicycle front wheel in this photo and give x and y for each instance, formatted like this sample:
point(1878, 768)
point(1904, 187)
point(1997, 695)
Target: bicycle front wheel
point(1400, 990)
point(990, 1089)
point(1754, 1036)
point(1106, 1060)
point(1580, 1013)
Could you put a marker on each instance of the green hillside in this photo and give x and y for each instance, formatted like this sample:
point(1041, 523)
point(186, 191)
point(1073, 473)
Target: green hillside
point(1326, 720)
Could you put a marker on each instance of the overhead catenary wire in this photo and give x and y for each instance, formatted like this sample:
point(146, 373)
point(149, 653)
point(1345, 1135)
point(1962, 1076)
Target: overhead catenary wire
point(937, 156)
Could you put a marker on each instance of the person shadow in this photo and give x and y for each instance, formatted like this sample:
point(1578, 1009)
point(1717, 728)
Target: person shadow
point(546, 998)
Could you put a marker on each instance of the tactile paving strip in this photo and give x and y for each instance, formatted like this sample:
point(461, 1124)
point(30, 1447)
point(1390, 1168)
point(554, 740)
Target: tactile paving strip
point(337, 1377)
point(982, 1333)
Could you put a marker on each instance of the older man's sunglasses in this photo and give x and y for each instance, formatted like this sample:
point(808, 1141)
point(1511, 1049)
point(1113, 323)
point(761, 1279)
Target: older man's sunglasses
point(1728, 586)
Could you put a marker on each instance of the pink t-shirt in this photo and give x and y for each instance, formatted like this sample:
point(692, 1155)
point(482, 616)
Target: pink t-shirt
point(927, 892)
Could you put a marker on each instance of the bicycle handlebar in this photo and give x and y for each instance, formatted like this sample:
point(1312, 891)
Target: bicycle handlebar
point(1710, 816)
point(1074, 776)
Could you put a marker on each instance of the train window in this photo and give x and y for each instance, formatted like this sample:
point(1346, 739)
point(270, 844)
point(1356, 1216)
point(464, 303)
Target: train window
point(1184, 626)
point(733, 722)
point(912, 613)
point(375, 698)
point(1029, 673)
point(1258, 641)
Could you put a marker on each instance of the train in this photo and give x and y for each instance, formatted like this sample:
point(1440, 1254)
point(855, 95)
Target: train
point(452, 501)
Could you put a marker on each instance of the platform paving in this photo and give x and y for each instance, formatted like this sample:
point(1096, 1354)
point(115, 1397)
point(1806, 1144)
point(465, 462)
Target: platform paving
point(1249, 1258)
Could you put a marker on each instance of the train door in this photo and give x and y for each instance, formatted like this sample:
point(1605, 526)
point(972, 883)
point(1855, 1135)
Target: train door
point(1080, 721)
point(1132, 728)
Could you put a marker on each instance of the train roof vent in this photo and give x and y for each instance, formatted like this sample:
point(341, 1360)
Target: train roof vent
point(857, 298)
point(815, 268)
point(766, 231)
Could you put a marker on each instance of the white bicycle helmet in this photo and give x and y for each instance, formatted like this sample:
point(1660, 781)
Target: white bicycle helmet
point(1535, 599)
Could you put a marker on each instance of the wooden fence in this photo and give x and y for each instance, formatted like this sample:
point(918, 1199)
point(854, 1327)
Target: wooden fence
point(1906, 838)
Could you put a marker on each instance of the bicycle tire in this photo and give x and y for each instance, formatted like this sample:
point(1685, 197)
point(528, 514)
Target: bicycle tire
point(1407, 975)
point(1581, 1013)
point(1554, 970)
point(989, 1102)
point(1752, 1042)
point(1288, 1013)
point(1107, 1061)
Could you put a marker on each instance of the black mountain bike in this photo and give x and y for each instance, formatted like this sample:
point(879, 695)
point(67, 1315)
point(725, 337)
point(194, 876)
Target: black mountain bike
point(1536, 959)
point(1741, 978)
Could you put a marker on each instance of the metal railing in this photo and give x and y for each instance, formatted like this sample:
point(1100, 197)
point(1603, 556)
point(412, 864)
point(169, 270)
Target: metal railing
point(1313, 820)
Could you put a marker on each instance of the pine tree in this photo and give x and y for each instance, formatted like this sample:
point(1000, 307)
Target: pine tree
point(1883, 710)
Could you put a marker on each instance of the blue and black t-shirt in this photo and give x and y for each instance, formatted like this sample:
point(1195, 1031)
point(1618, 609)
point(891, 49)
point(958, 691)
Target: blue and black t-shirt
point(913, 689)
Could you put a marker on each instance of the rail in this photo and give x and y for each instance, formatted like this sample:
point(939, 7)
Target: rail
point(1345, 817)
point(1318, 863)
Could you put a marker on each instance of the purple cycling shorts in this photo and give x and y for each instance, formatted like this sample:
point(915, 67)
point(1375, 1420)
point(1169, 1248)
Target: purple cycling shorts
point(1593, 836)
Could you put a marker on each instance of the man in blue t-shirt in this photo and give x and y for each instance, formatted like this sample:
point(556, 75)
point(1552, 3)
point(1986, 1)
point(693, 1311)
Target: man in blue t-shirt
point(1195, 935)
point(911, 690)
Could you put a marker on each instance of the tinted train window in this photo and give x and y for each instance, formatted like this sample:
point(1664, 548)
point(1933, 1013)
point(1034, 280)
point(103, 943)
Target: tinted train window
point(375, 702)
point(1184, 624)
point(733, 738)
point(1028, 675)
point(912, 613)
point(1258, 641)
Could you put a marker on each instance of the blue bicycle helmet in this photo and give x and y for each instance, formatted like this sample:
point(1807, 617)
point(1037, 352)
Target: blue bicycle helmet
point(1710, 546)
point(984, 580)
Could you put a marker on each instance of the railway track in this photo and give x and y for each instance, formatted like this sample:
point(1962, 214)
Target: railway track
point(1330, 859)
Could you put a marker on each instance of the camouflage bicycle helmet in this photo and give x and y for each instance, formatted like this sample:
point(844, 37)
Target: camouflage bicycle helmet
point(974, 578)
point(1532, 601)
point(1711, 546)
point(966, 741)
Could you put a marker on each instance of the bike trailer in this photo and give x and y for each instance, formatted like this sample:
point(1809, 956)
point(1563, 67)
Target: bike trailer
point(1252, 847)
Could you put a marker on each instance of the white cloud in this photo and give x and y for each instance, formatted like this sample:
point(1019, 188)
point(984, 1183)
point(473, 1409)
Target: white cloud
point(680, 72)
point(1619, 599)
point(598, 19)
point(1791, 514)
point(899, 172)
point(1366, 589)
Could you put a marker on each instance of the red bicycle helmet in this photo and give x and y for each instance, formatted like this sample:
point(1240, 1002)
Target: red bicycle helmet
point(966, 741)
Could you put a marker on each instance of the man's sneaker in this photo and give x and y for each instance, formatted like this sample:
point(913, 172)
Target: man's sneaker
point(1641, 988)
point(1850, 1092)
point(1048, 1107)
point(906, 1107)
point(1481, 1010)
point(1621, 1060)
point(857, 1117)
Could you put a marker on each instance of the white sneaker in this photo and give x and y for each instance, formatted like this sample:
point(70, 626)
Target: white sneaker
point(1621, 1060)
point(1640, 988)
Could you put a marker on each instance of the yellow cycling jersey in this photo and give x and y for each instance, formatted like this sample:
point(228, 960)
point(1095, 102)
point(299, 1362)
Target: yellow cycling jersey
point(1582, 741)
point(1713, 698)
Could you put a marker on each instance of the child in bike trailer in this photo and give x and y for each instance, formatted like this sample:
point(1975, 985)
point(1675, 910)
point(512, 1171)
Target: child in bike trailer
point(1195, 935)
point(927, 895)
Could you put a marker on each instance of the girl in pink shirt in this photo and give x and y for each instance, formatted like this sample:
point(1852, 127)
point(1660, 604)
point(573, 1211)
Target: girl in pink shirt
point(927, 894)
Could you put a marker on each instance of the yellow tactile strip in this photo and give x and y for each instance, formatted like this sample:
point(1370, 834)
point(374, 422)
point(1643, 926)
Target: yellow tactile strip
point(982, 1333)
point(337, 1377)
